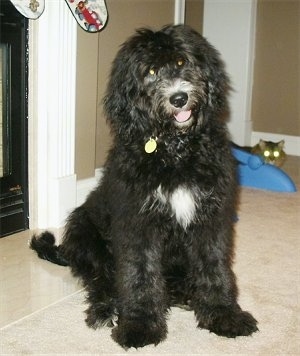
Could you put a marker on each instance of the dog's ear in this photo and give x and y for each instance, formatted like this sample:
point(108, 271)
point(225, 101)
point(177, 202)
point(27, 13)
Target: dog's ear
point(218, 84)
point(215, 76)
point(122, 93)
point(121, 90)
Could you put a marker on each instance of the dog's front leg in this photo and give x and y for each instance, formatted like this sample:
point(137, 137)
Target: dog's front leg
point(214, 297)
point(141, 290)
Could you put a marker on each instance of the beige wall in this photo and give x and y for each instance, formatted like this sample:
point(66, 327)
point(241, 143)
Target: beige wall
point(194, 14)
point(276, 90)
point(86, 103)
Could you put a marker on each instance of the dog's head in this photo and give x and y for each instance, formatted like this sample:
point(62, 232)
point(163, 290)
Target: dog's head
point(165, 81)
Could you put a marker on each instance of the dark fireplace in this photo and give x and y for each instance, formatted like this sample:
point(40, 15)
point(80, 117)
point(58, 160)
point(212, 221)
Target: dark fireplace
point(13, 120)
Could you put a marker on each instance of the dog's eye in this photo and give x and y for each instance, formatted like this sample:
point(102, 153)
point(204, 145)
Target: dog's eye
point(152, 71)
point(180, 62)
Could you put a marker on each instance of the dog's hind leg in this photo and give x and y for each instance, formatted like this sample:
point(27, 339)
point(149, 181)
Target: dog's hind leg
point(90, 258)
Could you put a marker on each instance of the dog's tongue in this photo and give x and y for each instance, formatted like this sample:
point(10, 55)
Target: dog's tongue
point(183, 116)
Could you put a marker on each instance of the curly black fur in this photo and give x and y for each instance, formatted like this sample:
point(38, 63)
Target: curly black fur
point(158, 229)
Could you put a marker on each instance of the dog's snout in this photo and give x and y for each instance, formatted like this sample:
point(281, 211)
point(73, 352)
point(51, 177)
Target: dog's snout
point(179, 99)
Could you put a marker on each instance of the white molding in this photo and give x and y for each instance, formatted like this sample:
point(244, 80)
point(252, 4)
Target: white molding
point(51, 101)
point(62, 199)
point(229, 25)
point(291, 143)
point(179, 12)
point(85, 186)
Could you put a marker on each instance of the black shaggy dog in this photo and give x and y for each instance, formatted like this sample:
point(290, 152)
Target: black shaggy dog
point(158, 230)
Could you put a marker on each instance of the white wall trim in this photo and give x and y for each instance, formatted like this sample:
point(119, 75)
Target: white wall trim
point(291, 143)
point(85, 186)
point(230, 26)
point(51, 101)
point(179, 12)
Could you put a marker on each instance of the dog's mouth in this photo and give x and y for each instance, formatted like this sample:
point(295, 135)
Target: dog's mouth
point(183, 118)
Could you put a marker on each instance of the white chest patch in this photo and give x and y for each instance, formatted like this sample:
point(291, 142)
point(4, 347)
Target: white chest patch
point(181, 202)
point(183, 206)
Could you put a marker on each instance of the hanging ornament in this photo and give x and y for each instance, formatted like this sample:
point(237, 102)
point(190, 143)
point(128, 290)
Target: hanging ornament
point(32, 9)
point(91, 15)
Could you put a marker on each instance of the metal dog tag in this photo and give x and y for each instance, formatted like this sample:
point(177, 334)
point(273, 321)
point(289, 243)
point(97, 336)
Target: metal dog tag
point(150, 145)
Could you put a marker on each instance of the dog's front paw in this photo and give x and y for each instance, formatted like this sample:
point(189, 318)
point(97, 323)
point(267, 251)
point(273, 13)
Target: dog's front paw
point(137, 333)
point(229, 322)
point(101, 314)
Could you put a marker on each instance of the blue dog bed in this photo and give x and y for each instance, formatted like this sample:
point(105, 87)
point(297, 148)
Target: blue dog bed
point(254, 172)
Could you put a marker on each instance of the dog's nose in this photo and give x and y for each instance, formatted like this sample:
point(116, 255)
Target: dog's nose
point(179, 99)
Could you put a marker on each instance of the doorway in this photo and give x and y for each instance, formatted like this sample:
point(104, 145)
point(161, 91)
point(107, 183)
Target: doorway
point(13, 120)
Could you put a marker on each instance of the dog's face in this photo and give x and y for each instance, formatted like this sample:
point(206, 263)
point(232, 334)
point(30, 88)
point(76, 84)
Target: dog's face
point(172, 90)
point(170, 81)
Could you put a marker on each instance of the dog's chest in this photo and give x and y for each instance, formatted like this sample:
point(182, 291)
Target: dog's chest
point(181, 203)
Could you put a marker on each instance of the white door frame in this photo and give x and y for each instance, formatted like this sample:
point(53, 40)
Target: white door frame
point(51, 106)
point(230, 26)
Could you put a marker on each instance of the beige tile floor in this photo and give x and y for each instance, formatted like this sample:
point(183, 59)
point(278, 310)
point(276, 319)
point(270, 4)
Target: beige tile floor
point(28, 284)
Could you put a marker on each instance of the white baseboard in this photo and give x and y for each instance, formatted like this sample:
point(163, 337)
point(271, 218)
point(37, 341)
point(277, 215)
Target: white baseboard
point(61, 200)
point(291, 143)
point(85, 186)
